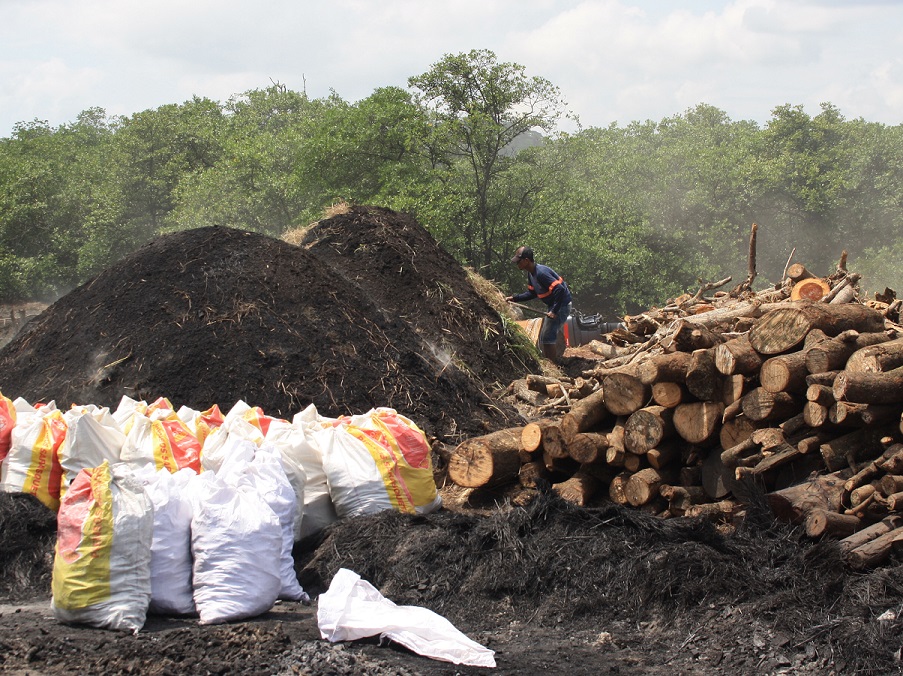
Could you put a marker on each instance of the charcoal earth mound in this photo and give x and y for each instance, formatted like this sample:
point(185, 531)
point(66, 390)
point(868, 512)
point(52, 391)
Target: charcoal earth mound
point(395, 261)
point(214, 315)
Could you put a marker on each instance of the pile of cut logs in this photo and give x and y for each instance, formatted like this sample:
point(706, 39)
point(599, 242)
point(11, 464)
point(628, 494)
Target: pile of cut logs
point(796, 390)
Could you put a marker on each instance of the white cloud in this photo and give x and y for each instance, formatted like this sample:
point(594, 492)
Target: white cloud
point(614, 60)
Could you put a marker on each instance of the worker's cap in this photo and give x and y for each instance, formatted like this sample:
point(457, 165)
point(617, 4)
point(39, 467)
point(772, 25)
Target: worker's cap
point(522, 252)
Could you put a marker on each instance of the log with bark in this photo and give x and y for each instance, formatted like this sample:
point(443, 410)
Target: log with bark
point(488, 460)
point(648, 427)
point(624, 393)
point(584, 415)
point(786, 327)
point(869, 388)
point(832, 355)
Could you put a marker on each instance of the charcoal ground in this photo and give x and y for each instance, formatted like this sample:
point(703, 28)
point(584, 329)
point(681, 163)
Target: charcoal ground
point(369, 311)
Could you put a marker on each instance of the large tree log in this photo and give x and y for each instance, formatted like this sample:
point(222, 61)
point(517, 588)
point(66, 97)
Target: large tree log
point(880, 358)
point(668, 394)
point(786, 327)
point(681, 498)
point(647, 427)
point(821, 522)
point(697, 422)
point(850, 449)
point(866, 535)
point(616, 488)
point(856, 415)
point(875, 551)
point(832, 355)
point(737, 356)
point(588, 447)
point(531, 435)
point(785, 373)
point(703, 379)
point(624, 393)
point(815, 414)
point(735, 430)
point(643, 486)
point(553, 443)
point(489, 460)
point(585, 415)
point(760, 405)
point(810, 289)
point(531, 474)
point(869, 388)
point(794, 503)
point(578, 489)
point(687, 336)
point(669, 367)
point(662, 455)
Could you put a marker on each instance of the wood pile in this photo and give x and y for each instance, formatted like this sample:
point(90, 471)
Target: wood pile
point(796, 390)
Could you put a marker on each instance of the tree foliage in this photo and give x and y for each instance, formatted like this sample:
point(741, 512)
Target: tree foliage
point(631, 215)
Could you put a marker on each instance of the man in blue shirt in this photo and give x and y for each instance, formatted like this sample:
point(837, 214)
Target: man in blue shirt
point(547, 285)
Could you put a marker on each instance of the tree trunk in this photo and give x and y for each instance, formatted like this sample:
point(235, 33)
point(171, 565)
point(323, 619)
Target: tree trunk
point(578, 489)
point(850, 449)
point(624, 393)
point(584, 415)
point(532, 473)
point(523, 392)
point(588, 447)
point(703, 379)
point(668, 394)
point(643, 486)
point(553, 443)
point(662, 455)
point(815, 414)
point(760, 405)
point(793, 504)
point(785, 327)
point(489, 460)
point(874, 552)
point(647, 427)
point(531, 435)
point(697, 422)
point(737, 356)
point(785, 373)
point(735, 430)
point(616, 488)
point(669, 367)
point(870, 388)
point(687, 337)
point(832, 355)
point(733, 388)
point(821, 522)
point(782, 455)
point(866, 535)
point(797, 272)
point(879, 358)
point(820, 394)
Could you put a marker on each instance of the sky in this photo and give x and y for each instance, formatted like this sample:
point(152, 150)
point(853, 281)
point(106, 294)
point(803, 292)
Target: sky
point(614, 61)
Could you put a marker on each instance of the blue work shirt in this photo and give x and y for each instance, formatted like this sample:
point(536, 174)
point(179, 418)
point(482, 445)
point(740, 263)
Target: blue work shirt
point(547, 285)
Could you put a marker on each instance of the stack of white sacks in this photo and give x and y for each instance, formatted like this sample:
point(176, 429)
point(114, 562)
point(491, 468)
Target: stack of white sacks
point(188, 512)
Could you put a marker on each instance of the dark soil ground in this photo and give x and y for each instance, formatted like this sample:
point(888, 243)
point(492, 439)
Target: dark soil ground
point(369, 311)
